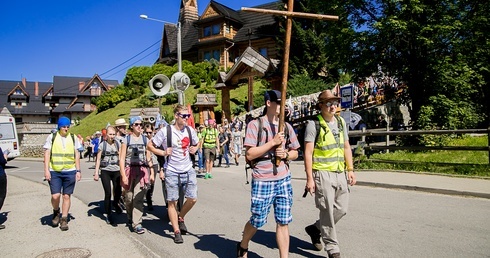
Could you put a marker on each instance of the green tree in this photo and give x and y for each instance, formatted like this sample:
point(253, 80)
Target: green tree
point(440, 49)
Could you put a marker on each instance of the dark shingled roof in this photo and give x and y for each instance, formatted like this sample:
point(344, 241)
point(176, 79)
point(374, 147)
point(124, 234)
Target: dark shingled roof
point(254, 21)
point(261, 25)
point(224, 11)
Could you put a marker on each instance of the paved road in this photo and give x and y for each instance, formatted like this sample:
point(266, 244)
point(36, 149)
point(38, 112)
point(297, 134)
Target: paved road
point(380, 223)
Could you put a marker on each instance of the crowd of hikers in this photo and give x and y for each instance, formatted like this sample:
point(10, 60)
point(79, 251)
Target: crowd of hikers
point(130, 157)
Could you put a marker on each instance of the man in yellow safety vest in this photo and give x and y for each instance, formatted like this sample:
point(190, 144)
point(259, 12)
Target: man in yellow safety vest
point(329, 171)
point(61, 169)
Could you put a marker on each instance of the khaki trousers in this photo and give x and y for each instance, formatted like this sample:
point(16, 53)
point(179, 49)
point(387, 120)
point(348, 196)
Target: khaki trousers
point(332, 199)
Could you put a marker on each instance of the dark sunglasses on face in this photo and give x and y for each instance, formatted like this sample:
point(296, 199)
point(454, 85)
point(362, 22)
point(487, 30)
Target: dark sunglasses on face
point(137, 124)
point(148, 132)
point(184, 116)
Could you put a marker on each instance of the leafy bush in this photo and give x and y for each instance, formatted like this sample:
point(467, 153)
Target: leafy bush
point(110, 99)
point(302, 84)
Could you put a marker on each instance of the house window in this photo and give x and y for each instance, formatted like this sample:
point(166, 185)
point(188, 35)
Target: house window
point(94, 85)
point(263, 51)
point(211, 30)
point(18, 92)
point(212, 54)
point(18, 104)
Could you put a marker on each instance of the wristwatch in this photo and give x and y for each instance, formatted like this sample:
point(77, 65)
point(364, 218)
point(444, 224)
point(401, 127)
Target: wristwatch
point(79, 171)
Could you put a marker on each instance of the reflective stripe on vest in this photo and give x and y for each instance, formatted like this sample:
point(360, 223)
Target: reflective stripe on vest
point(328, 155)
point(62, 158)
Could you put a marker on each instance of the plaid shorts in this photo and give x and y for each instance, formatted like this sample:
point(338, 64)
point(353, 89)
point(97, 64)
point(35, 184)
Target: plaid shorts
point(266, 193)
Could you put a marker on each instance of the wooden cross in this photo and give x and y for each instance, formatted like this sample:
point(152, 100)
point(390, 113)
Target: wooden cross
point(285, 64)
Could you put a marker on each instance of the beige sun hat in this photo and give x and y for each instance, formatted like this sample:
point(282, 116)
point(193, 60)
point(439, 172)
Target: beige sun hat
point(121, 122)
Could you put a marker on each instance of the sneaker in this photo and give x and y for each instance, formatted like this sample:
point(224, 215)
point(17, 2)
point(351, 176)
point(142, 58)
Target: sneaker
point(208, 175)
point(315, 236)
point(334, 255)
point(182, 227)
point(227, 166)
point(178, 238)
point(64, 224)
point(2, 226)
point(55, 220)
point(139, 229)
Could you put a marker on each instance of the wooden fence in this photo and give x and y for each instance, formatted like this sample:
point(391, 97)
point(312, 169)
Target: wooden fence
point(381, 132)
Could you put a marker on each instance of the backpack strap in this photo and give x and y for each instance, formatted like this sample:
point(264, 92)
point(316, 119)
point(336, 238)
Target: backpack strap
point(104, 147)
point(169, 136)
point(190, 135)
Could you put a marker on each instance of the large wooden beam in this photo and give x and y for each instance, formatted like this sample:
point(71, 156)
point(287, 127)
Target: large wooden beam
point(292, 14)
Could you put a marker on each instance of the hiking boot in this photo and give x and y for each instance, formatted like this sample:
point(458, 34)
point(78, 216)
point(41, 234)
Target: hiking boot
point(334, 255)
point(139, 229)
point(182, 227)
point(178, 238)
point(315, 236)
point(55, 220)
point(64, 224)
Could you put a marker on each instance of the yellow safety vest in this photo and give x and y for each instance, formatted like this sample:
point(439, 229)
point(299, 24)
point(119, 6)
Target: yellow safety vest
point(62, 158)
point(328, 155)
point(210, 135)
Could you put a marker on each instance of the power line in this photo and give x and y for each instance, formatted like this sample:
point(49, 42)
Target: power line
point(131, 58)
point(134, 62)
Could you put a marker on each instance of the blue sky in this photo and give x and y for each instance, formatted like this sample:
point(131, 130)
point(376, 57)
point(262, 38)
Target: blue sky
point(42, 39)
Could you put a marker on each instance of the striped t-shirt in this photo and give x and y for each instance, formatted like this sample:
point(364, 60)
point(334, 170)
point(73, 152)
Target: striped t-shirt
point(263, 170)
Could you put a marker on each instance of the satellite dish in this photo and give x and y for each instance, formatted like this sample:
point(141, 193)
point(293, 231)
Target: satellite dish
point(180, 81)
point(159, 85)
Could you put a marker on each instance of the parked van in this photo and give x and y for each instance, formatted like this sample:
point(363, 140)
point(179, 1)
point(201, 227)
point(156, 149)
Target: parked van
point(8, 136)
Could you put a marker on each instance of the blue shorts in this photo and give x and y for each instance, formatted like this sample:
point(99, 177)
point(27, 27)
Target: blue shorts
point(188, 180)
point(63, 180)
point(266, 193)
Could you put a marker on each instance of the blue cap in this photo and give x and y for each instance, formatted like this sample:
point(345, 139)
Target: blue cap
point(272, 95)
point(134, 119)
point(63, 121)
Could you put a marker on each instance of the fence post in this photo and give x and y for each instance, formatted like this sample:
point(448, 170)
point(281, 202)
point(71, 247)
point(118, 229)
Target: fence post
point(387, 137)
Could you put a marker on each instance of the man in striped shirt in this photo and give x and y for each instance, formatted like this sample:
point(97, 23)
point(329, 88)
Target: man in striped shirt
point(271, 184)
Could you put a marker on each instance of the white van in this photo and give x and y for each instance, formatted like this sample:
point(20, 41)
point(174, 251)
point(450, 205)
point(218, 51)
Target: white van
point(8, 136)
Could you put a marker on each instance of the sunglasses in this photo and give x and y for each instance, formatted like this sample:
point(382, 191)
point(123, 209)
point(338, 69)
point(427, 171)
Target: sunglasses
point(184, 116)
point(329, 104)
point(148, 132)
point(137, 124)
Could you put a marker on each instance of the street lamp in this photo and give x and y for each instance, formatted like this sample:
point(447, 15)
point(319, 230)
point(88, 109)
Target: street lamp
point(180, 93)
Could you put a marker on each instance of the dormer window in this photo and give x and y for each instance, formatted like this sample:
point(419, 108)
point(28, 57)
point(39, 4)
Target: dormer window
point(18, 92)
point(95, 85)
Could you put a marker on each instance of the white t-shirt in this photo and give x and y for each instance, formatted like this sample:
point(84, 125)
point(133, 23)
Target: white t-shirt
point(179, 161)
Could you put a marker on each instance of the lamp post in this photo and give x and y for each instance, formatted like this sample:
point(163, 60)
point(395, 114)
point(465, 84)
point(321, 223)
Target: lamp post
point(180, 93)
